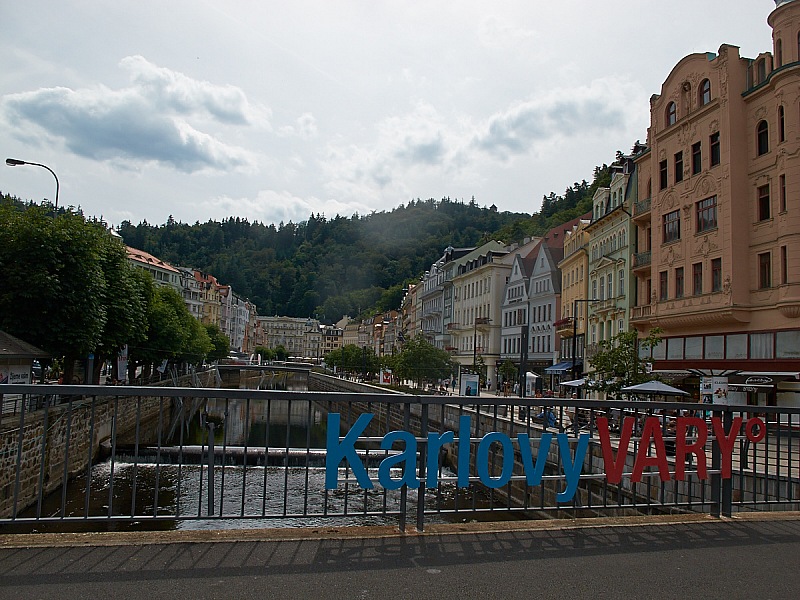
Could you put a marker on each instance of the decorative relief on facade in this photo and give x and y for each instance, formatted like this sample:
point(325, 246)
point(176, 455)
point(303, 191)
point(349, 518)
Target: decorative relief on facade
point(686, 135)
point(706, 246)
point(672, 256)
point(706, 186)
point(761, 113)
point(669, 201)
point(726, 285)
point(713, 126)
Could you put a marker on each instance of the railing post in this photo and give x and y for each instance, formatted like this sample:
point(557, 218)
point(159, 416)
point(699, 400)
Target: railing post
point(210, 425)
point(423, 460)
point(404, 489)
point(716, 462)
point(727, 484)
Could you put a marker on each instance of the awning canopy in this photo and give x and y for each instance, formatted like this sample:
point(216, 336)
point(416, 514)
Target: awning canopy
point(563, 367)
point(576, 383)
point(654, 388)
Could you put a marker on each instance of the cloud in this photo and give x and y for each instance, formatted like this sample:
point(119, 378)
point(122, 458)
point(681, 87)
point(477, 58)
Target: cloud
point(498, 33)
point(305, 127)
point(175, 92)
point(148, 122)
point(564, 113)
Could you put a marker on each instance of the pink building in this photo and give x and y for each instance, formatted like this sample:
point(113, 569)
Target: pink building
point(717, 261)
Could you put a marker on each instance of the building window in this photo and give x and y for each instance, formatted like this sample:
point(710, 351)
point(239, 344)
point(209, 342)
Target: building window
point(762, 138)
point(662, 171)
point(602, 288)
point(779, 52)
point(679, 282)
point(716, 275)
point(764, 271)
point(697, 158)
point(621, 287)
point(678, 166)
point(671, 227)
point(782, 183)
point(714, 146)
point(706, 214)
point(761, 71)
point(672, 113)
point(781, 125)
point(705, 92)
point(594, 289)
point(784, 266)
point(697, 279)
point(763, 202)
point(663, 282)
point(610, 285)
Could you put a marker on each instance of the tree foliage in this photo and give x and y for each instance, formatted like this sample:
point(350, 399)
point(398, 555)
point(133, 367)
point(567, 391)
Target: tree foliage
point(353, 359)
point(67, 286)
point(421, 362)
point(624, 360)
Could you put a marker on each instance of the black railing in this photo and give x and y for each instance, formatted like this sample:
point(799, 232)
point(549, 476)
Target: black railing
point(185, 457)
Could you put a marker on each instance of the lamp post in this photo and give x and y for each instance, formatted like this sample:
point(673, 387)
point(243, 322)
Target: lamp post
point(15, 162)
point(575, 331)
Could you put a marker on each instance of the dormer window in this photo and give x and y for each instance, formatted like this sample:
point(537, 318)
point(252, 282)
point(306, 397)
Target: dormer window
point(672, 113)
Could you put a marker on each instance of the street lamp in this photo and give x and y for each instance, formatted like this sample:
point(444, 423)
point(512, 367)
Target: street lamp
point(575, 331)
point(15, 162)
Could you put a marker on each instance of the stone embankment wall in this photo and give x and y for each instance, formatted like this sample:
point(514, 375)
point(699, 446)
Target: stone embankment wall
point(61, 440)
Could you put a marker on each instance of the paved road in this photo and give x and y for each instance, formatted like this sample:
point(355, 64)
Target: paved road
point(705, 558)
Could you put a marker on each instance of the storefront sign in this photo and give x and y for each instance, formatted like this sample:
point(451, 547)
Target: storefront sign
point(714, 390)
point(691, 436)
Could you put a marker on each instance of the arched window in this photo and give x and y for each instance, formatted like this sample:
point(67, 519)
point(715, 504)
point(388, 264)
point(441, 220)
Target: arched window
point(781, 125)
point(778, 52)
point(672, 113)
point(762, 138)
point(705, 92)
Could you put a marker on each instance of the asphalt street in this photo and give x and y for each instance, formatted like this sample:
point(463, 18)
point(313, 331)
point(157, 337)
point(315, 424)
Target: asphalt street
point(697, 558)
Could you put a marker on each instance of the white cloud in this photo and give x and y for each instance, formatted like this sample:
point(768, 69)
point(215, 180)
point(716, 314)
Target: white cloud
point(601, 107)
point(146, 123)
point(174, 92)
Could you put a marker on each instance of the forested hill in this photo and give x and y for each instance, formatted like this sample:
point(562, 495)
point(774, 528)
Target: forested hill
point(324, 267)
point(344, 265)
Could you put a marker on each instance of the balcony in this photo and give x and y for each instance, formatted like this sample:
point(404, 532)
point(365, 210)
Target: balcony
point(642, 207)
point(564, 327)
point(640, 312)
point(642, 259)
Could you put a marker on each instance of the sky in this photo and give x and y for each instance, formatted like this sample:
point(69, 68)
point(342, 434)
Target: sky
point(272, 111)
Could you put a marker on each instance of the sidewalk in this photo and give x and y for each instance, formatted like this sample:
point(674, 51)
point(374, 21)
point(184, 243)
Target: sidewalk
point(656, 557)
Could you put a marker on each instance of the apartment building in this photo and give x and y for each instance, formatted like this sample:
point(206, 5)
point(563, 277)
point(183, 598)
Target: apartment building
point(717, 261)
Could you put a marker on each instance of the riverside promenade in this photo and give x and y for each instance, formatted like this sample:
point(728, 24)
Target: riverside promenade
point(752, 556)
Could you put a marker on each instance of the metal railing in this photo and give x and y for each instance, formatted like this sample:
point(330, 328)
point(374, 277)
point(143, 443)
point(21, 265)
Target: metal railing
point(211, 458)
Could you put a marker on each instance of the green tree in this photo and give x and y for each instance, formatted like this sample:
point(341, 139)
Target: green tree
point(508, 371)
point(55, 293)
point(219, 342)
point(624, 360)
point(421, 361)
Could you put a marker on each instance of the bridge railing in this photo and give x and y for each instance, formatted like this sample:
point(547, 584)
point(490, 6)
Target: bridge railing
point(91, 457)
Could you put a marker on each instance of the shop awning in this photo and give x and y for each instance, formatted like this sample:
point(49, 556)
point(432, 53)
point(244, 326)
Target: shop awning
point(562, 367)
point(576, 383)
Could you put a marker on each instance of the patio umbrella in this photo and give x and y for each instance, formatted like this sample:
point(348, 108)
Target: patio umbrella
point(574, 383)
point(654, 388)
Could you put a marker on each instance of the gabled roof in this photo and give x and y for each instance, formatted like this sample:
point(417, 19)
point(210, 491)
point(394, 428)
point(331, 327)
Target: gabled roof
point(13, 347)
point(141, 256)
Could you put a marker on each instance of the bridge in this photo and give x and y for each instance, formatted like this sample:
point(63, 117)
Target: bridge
point(155, 457)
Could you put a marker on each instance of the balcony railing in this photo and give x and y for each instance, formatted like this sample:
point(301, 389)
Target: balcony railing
point(640, 312)
point(642, 206)
point(642, 259)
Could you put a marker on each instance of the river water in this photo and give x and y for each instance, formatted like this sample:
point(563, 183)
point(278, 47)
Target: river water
point(278, 492)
